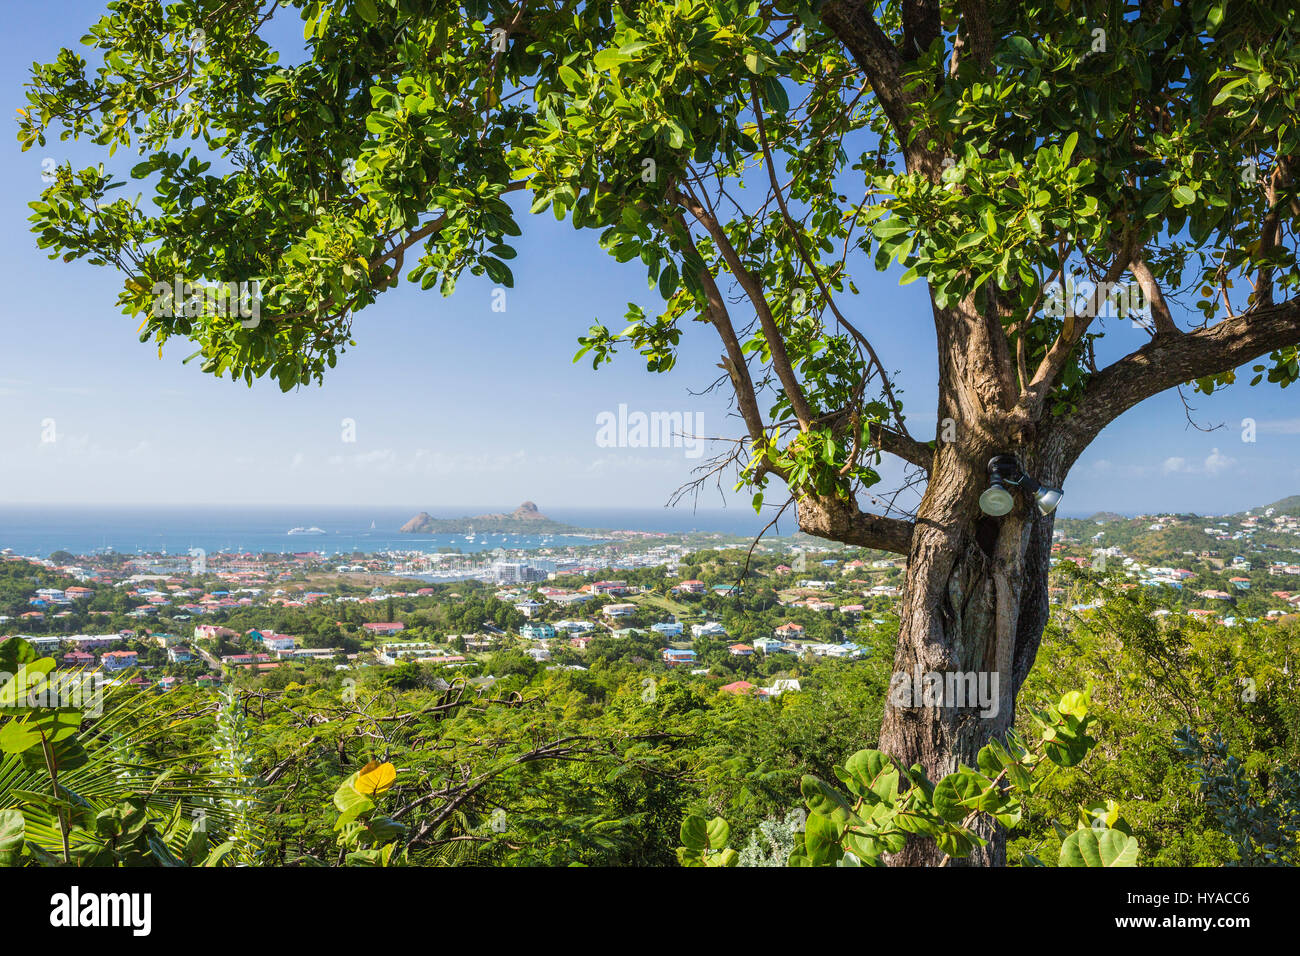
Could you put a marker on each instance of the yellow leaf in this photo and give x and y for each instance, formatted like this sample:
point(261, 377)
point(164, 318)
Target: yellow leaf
point(375, 778)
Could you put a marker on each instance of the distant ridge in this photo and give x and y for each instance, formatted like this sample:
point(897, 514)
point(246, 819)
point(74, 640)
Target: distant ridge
point(526, 519)
point(1289, 505)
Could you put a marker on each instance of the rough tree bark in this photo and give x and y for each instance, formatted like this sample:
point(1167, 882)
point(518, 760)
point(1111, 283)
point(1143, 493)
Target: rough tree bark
point(975, 592)
point(974, 604)
point(974, 601)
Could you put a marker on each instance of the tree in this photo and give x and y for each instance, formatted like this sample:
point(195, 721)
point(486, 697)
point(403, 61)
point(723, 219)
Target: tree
point(992, 151)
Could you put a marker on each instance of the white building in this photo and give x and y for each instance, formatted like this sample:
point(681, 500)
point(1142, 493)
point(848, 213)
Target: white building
point(277, 642)
point(515, 572)
point(708, 629)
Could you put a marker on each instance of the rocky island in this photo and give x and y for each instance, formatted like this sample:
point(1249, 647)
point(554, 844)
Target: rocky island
point(525, 519)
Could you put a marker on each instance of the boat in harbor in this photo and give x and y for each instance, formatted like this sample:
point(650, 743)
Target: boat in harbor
point(311, 530)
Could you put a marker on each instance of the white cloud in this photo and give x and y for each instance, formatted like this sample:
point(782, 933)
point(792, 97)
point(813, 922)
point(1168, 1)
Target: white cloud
point(1216, 463)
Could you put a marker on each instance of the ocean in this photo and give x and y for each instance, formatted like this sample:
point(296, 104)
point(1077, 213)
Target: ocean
point(40, 530)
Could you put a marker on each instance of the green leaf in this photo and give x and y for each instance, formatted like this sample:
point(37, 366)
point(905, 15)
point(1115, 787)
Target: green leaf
point(13, 833)
point(29, 679)
point(498, 271)
point(886, 228)
point(668, 280)
point(568, 76)
point(1091, 847)
point(1067, 148)
point(1021, 46)
point(955, 843)
point(695, 833)
point(718, 833)
point(948, 799)
point(873, 775)
point(383, 829)
point(608, 60)
point(825, 800)
point(777, 98)
point(18, 736)
point(66, 753)
point(348, 800)
point(1226, 91)
point(822, 840)
point(1075, 704)
point(14, 653)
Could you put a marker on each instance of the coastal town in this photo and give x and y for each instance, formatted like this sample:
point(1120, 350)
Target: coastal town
point(743, 620)
point(614, 435)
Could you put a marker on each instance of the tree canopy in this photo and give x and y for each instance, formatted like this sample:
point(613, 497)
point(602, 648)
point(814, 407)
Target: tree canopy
point(751, 155)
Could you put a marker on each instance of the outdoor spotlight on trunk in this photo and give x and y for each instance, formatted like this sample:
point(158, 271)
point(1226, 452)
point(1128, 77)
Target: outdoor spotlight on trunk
point(1005, 473)
point(1046, 498)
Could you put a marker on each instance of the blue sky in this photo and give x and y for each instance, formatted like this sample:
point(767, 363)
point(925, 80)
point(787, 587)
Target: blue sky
point(454, 403)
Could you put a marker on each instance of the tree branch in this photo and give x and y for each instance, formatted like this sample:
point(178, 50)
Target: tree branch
point(979, 34)
point(737, 369)
point(902, 446)
point(921, 26)
point(1160, 314)
point(854, 26)
point(1034, 395)
point(754, 290)
point(797, 234)
point(1167, 361)
point(840, 519)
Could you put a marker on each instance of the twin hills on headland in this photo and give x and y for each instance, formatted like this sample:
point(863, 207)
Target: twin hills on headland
point(525, 519)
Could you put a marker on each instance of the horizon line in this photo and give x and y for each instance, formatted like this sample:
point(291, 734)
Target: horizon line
point(742, 507)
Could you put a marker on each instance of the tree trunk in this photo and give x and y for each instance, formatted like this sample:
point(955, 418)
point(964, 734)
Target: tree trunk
point(972, 612)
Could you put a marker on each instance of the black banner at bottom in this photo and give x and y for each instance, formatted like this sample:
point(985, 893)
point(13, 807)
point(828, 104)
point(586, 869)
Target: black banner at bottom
point(333, 906)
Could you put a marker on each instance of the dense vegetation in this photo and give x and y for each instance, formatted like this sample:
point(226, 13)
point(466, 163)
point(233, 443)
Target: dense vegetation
point(1195, 729)
point(998, 153)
